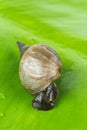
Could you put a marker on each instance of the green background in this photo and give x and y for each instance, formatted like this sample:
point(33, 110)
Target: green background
point(61, 24)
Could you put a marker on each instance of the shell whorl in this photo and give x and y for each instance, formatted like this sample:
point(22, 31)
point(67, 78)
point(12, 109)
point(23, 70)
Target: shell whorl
point(40, 65)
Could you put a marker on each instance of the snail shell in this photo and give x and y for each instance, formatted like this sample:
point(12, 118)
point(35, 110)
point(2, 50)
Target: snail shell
point(40, 65)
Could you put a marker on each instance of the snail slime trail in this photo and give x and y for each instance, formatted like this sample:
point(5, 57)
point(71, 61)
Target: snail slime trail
point(39, 67)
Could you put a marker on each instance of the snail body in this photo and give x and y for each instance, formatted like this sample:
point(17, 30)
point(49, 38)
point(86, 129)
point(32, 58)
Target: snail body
point(39, 67)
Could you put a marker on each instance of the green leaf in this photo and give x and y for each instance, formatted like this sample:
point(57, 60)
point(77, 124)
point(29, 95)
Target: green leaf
point(63, 26)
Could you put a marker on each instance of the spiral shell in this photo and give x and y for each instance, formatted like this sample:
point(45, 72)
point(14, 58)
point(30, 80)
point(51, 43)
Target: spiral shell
point(40, 65)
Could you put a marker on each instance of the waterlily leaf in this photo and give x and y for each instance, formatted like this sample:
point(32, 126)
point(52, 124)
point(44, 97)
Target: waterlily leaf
point(62, 25)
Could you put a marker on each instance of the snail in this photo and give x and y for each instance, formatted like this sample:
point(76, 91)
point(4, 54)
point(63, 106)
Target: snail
point(39, 67)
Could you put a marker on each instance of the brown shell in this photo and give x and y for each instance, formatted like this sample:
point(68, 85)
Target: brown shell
point(40, 65)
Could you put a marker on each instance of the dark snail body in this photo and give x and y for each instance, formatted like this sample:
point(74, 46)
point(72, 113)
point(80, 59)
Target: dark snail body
point(45, 100)
point(40, 65)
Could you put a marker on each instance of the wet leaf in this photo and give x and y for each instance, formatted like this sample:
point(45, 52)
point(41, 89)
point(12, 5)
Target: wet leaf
point(63, 26)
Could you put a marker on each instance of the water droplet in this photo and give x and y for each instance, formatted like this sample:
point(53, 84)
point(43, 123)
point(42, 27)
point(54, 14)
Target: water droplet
point(2, 96)
point(2, 115)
